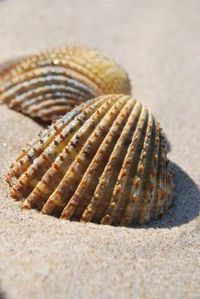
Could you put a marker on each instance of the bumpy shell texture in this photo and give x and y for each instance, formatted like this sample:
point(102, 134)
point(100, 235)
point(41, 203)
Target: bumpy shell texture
point(50, 84)
point(105, 161)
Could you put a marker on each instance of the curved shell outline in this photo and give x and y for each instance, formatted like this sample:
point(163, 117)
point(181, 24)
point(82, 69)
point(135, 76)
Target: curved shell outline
point(105, 162)
point(50, 84)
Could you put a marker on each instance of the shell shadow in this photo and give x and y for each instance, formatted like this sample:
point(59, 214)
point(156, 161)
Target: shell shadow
point(168, 145)
point(2, 294)
point(187, 195)
point(186, 205)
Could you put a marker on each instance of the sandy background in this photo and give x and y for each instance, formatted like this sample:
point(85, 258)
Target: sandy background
point(158, 43)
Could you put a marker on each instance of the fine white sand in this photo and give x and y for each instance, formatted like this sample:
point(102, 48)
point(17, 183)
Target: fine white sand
point(158, 43)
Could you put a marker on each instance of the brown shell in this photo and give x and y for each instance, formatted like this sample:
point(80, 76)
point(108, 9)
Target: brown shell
point(50, 84)
point(105, 161)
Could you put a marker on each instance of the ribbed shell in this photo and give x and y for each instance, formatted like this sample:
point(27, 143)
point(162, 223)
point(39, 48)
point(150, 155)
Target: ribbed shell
point(105, 161)
point(50, 84)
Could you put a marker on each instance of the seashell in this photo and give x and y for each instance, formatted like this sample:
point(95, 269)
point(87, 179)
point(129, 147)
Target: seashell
point(50, 84)
point(105, 161)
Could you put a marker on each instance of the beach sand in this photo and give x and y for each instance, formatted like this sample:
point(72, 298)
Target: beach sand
point(158, 43)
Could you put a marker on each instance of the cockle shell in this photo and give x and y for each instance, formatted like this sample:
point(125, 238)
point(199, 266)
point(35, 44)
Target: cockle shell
point(105, 161)
point(50, 84)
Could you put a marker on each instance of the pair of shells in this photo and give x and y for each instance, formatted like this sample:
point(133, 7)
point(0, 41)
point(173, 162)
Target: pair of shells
point(105, 161)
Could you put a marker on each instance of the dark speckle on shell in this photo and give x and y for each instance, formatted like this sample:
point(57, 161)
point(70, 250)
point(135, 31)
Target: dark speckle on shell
point(50, 84)
point(105, 161)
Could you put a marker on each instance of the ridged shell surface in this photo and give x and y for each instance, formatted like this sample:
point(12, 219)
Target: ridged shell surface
point(105, 161)
point(50, 84)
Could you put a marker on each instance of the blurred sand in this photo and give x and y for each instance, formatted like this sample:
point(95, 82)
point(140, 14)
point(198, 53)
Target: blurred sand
point(158, 43)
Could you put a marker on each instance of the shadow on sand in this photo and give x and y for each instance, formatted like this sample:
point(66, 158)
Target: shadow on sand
point(186, 205)
point(2, 294)
point(187, 195)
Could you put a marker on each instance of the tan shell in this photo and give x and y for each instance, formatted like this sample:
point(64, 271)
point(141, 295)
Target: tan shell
point(50, 84)
point(105, 161)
